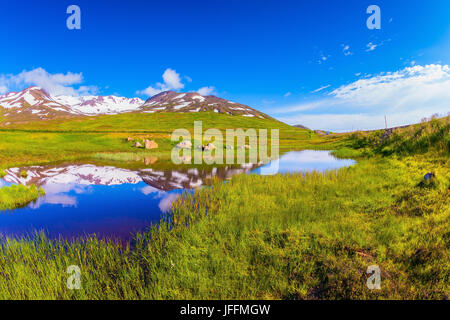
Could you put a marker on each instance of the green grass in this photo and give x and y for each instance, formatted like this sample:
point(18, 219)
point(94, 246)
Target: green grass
point(124, 156)
point(80, 139)
point(433, 135)
point(298, 236)
point(275, 237)
point(17, 196)
point(156, 122)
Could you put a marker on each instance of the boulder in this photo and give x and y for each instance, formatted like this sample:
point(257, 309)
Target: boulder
point(428, 176)
point(428, 180)
point(150, 160)
point(137, 145)
point(150, 144)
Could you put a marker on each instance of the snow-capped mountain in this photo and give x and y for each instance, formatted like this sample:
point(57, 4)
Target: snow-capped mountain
point(35, 103)
point(33, 96)
point(170, 101)
point(91, 105)
point(32, 104)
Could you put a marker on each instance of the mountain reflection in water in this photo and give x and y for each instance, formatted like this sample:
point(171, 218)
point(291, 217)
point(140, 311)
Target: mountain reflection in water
point(112, 202)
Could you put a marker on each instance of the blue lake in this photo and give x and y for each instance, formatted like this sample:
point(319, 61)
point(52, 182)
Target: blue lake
point(110, 202)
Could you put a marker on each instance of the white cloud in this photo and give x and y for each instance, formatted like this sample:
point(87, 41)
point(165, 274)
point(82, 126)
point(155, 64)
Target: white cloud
point(206, 91)
point(346, 50)
point(321, 88)
point(352, 122)
point(323, 58)
point(172, 81)
point(371, 46)
point(301, 107)
point(266, 101)
point(89, 90)
point(412, 87)
point(150, 91)
point(3, 89)
point(56, 83)
point(287, 94)
point(404, 96)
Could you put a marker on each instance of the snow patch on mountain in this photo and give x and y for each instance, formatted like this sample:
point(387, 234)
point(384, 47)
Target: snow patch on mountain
point(84, 105)
point(91, 105)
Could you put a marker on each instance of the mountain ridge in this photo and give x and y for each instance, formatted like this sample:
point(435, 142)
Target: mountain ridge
point(35, 103)
point(171, 101)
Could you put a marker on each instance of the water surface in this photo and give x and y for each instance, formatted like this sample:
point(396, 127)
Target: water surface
point(110, 202)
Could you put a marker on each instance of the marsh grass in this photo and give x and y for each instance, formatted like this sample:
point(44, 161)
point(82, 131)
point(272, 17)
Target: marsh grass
point(124, 156)
point(297, 236)
point(293, 236)
point(17, 196)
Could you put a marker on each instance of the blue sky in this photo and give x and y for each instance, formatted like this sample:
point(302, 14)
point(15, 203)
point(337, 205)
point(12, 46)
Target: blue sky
point(271, 55)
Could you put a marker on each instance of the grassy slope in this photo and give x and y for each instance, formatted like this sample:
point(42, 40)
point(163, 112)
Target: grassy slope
point(415, 139)
point(49, 141)
point(278, 237)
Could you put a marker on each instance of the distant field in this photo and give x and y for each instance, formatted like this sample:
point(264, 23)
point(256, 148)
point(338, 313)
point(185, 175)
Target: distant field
point(75, 139)
point(149, 122)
